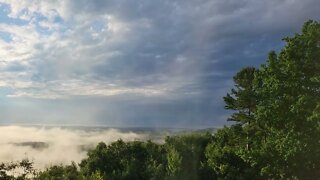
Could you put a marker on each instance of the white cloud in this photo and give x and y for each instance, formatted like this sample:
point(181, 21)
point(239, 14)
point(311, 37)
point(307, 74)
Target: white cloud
point(21, 46)
point(58, 55)
point(68, 88)
point(57, 145)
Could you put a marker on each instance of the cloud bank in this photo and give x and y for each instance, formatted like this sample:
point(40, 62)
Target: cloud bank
point(47, 146)
point(136, 63)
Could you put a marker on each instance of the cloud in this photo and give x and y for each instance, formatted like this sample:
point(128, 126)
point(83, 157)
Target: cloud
point(182, 52)
point(47, 146)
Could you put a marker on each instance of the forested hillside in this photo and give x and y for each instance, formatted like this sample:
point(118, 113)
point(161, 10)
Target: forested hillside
point(275, 134)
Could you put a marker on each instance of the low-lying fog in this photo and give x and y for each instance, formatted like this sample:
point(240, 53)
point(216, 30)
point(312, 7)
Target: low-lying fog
point(47, 146)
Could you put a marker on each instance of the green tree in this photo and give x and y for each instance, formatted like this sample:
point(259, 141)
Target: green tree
point(289, 89)
point(68, 172)
point(225, 155)
point(125, 160)
point(174, 163)
point(186, 156)
point(242, 99)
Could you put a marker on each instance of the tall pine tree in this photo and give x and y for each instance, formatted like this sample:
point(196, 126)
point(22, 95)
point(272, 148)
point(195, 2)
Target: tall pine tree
point(242, 99)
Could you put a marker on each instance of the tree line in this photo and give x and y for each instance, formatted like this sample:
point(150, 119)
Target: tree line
point(275, 132)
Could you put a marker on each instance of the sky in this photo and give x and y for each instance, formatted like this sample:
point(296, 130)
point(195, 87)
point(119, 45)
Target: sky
point(158, 63)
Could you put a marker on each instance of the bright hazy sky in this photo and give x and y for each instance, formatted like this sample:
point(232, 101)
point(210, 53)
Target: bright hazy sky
point(159, 63)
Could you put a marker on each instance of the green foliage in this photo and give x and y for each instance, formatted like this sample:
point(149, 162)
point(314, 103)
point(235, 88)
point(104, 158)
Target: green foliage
point(174, 163)
point(180, 157)
point(96, 176)
point(59, 172)
point(277, 108)
point(226, 155)
point(226, 163)
point(243, 98)
point(186, 158)
point(288, 111)
point(120, 160)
